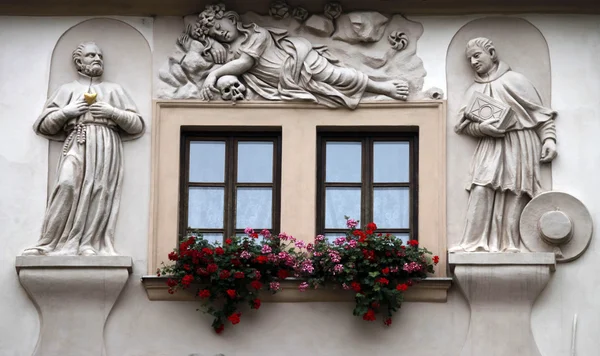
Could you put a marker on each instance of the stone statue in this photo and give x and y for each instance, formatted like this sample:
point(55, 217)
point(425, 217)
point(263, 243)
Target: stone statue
point(92, 117)
point(516, 132)
point(280, 67)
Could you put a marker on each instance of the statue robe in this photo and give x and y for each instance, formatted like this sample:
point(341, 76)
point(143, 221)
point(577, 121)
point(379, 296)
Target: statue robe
point(290, 68)
point(83, 205)
point(508, 167)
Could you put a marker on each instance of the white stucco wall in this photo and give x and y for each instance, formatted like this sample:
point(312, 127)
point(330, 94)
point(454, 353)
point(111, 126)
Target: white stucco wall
point(138, 327)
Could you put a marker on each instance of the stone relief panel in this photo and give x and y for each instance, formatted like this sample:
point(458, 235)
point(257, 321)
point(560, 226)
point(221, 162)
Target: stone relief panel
point(97, 98)
point(335, 59)
point(499, 106)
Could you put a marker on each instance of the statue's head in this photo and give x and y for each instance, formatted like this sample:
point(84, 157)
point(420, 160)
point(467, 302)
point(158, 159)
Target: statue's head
point(88, 59)
point(216, 23)
point(481, 54)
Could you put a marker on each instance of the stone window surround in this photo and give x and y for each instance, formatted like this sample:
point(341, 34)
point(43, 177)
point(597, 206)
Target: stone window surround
point(299, 124)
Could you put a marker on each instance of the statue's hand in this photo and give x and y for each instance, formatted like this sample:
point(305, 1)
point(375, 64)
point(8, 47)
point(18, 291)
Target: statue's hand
point(218, 53)
point(75, 109)
point(208, 88)
point(487, 128)
point(101, 110)
point(548, 151)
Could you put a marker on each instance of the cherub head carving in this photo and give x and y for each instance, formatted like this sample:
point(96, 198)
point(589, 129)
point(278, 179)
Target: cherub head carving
point(214, 22)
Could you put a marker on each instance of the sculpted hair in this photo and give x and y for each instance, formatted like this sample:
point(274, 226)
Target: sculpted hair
point(78, 52)
point(484, 43)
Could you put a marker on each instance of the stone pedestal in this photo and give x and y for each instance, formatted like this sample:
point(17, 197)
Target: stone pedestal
point(501, 289)
point(74, 296)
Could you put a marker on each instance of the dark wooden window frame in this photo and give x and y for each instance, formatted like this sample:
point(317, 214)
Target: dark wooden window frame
point(230, 184)
point(367, 185)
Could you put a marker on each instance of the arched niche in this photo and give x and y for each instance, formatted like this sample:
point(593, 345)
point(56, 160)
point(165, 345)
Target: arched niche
point(523, 47)
point(128, 62)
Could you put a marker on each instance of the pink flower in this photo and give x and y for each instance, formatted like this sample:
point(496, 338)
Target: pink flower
point(351, 223)
point(319, 238)
point(352, 243)
point(394, 269)
point(310, 247)
point(300, 244)
point(340, 241)
point(338, 269)
point(248, 231)
point(303, 286)
point(335, 257)
point(307, 266)
point(245, 254)
point(266, 249)
point(274, 286)
point(345, 286)
point(284, 236)
point(411, 267)
point(266, 234)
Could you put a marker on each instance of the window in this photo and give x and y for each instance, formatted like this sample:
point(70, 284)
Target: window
point(369, 178)
point(229, 182)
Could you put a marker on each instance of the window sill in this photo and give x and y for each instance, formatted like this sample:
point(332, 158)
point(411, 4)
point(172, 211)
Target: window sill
point(432, 290)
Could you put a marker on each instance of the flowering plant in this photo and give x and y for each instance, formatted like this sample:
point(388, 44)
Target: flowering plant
point(378, 267)
point(227, 276)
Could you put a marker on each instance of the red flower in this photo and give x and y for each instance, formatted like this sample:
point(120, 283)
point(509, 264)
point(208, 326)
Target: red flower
point(224, 274)
point(262, 259)
point(355, 286)
point(212, 268)
point(371, 226)
point(362, 239)
point(238, 275)
point(205, 293)
point(387, 322)
point(236, 262)
point(234, 318)
point(436, 259)
point(402, 287)
point(231, 293)
point(171, 282)
point(256, 303)
point(219, 329)
point(369, 232)
point(173, 256)
point(369, 315)
point(207, 251)
point(254, 235)
point(375, 305)
point(383, 281)
point(187, 280)
point(256, 285)
point(368, 254)
point(202, 271)
point(228, 241)
point(282, 274)
point(187, 267)
point(385, 270)
point(171, 291)
point(219, 250)
point(413, 242)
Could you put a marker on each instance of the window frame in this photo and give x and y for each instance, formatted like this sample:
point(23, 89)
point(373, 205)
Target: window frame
point(367, 185)
point(231, 137)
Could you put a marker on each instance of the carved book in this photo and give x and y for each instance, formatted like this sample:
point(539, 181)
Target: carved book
point(482, 107)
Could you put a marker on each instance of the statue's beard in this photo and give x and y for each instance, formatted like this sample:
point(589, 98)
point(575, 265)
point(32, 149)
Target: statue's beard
point(92, 70)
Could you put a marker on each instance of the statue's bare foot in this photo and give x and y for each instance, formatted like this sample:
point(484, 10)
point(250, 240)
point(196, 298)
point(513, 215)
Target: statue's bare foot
point(397, 89)
point(32, 252)
point(88, 252)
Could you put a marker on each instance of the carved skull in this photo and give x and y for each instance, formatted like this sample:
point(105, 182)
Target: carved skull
point(231, 88)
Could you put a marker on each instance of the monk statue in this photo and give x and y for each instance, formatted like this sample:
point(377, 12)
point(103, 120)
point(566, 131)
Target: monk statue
point(516, 133)
point(92, 117)
point(277, 66)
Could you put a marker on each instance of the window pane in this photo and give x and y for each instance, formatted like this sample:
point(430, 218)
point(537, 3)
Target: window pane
point(343, 162)
point(255, 162)
point(213, 237)
point(391, 207)
point(205, 208)
point(207, 161)
point(254, 207)
point(391, 162)
point(340, 202)
point(402, 236)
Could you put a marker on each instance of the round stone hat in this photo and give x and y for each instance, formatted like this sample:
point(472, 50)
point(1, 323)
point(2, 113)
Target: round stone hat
point(556, 222)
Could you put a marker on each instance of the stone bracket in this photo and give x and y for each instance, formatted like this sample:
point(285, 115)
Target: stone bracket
point(74, 296)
